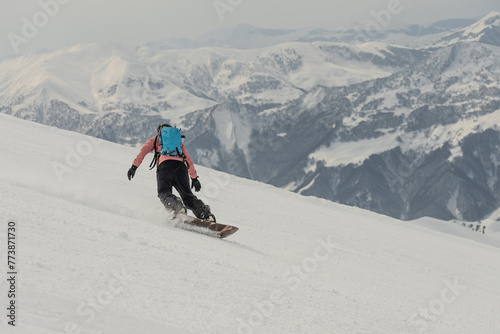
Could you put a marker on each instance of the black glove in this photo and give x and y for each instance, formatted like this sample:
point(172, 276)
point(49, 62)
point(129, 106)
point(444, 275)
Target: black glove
point(131, 172)
point(196, 184)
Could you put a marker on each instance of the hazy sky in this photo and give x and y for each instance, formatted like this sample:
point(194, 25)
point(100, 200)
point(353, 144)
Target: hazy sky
point(36, 24)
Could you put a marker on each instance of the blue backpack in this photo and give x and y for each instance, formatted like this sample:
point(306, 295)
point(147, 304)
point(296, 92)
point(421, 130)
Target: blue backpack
point(170, 140)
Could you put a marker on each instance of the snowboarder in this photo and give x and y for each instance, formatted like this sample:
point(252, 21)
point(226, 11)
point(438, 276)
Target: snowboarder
point(173, 170)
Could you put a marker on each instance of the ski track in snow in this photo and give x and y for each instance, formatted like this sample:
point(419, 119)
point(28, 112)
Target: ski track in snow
point(96, 254)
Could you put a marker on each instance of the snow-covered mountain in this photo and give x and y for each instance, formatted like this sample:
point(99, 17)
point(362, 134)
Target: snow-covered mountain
point(81, 87)
point(411, 142)
point(407, 132)
point(486, 30)
point(101, 75)
point(96, 254)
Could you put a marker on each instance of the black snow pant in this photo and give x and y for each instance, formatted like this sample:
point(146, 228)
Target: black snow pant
point(173, 173)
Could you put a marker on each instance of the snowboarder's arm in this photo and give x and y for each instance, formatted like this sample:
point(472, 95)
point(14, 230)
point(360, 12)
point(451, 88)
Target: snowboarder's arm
point(147, 148)
point(192, 170)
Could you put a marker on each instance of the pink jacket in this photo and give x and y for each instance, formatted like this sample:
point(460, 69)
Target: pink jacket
point(149, 147)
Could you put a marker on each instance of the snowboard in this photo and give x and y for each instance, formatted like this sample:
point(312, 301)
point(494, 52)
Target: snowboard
point(219, 230)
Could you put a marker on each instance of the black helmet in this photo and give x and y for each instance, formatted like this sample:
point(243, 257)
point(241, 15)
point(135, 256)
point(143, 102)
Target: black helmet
point(165, 125)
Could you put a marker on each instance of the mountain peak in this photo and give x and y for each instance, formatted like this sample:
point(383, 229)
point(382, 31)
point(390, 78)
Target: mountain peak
point(486, 30)
point(489, 21)
point(491, 14)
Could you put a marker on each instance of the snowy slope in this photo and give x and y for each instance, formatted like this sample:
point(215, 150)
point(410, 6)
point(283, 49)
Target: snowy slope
point(78, 230)
point(96, 254)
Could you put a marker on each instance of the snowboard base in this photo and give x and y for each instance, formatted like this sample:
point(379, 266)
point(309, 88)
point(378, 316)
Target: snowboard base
point(216, 229)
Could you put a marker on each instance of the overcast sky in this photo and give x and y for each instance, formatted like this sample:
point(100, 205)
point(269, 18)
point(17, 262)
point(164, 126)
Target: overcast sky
point(136, 22)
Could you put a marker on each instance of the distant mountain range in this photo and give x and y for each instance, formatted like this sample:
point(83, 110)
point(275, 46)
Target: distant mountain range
point(406, 124)
point(245, 36)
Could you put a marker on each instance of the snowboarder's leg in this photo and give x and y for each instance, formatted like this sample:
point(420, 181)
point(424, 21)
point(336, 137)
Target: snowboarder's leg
point(165, 181)
point(193, 203)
